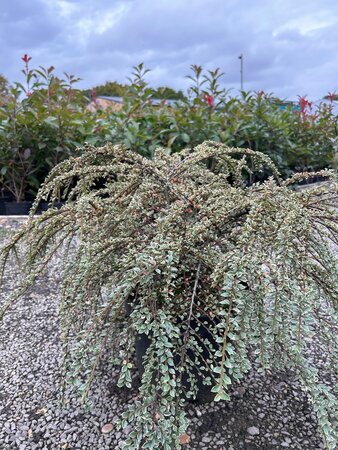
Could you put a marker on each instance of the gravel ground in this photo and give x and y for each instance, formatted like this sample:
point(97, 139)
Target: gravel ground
point(267, 412)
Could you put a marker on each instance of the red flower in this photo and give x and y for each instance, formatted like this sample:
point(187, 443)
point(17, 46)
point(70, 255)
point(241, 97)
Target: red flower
point(303, 103)
point(29, 94)
point(305, 108)
point(209, 99)
point(26, 58)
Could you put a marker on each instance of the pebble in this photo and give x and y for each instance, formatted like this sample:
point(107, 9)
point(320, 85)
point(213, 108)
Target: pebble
point(107, 428)
point(253, 431)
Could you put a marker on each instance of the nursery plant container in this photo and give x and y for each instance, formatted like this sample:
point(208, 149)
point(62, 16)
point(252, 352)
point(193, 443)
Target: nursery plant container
point(142, 343)
point(204, 394)
point(18, 208)
point(3, 201)
point(44, 206)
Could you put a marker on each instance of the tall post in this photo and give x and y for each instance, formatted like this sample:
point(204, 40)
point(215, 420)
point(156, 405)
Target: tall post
point(241, 58)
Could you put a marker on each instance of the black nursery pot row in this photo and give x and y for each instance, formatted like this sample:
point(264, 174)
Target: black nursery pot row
point(12, 208)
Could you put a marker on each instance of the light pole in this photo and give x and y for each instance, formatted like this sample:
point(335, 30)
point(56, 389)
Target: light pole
point(241, 58)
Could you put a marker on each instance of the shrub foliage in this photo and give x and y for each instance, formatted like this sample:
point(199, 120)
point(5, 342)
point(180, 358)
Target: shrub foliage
point(183, 238)
point(44, 120)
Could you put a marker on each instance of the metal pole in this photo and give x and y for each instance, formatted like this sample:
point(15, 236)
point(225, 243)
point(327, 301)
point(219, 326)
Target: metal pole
point(241, 58)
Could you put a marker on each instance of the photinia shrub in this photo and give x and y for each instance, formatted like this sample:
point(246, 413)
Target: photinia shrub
point(39, 127)
point(45, 120)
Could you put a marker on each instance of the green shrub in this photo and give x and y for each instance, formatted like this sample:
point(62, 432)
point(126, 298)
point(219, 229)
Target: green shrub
point(181, 239)
point(39, 127)
point(295, 141)
point(46, 120)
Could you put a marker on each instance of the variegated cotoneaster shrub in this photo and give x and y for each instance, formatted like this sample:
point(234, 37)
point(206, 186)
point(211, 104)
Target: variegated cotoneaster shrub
point(183, 238)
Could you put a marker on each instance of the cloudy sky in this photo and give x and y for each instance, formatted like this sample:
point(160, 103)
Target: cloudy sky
point(289, 46)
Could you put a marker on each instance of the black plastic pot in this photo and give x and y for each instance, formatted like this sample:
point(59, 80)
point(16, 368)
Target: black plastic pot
point(3, 200)
point(44, 206)
point(18, 208)
point(204, 394)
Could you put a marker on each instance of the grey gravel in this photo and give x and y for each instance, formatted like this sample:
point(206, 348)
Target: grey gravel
point(31, 417)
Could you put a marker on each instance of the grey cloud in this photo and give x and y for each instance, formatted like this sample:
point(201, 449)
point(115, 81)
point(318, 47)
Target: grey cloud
point(288, 47)
point(27, 26)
